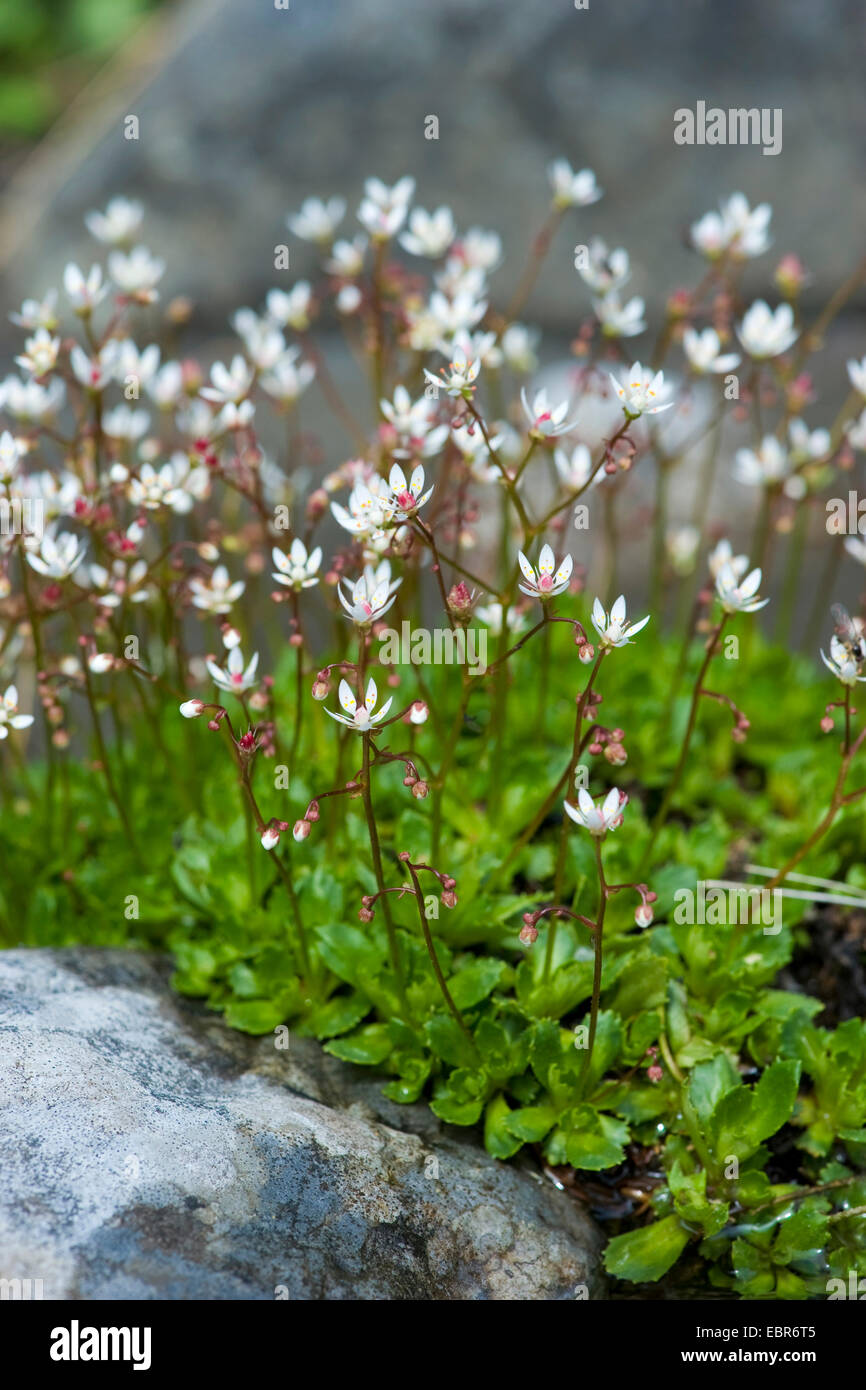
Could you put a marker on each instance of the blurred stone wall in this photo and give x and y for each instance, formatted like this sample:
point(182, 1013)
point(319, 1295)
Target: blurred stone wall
point(245, 109)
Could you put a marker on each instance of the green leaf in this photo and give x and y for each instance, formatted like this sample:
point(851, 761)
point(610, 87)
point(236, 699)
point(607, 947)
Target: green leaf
point(500, 1140)
point(367, 1047)
point(643, 1256)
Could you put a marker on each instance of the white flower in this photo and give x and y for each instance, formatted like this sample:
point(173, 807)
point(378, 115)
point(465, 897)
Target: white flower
point(165, 387)
point(297, 570)
point(620, 320)
point(291, 307)
point(140, 363)
point(97, 372)
point(736, 228)
point(57, 556)
point(112, 586)
point(40, 353)
point(30, 401)
point(598, 820)
point(518, 347)
point(808, 445)
point(288, 378)
point(84, 293)
point(137, 273)
point(842, 663)
point(10, 454)
point(738, 595)
point(407, 499)
point(457, 378)
point(614, 629)
point(217, 594)
point(415, 423)
point(123, 422)
point(36, 313)
point(681, 543)
point(643, 392)
point(575, 471)
point(229, 383)
point(491, 615)
point(545, 421)
point(768, 466)
point(360, 718)
point(607, 270)
point(544, 584)
point(855, 432)
point(347, 258)
point(176, 484)
point(317, 221)
point(765, 332)
point(383, 210)
point(430, 233)
point(479, 249)
point(371, 596)
point(233, 678)
point(263, 341)
point(9, 716)
point(370, 508)
point(572, 189)
point(704, 351)
point(118, 224)
point(348, 299)
point(723, 555)
point(857, 374)
point(457, 314)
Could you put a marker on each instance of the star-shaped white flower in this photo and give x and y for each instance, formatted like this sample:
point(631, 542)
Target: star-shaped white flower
point(572, 189)
point(234, 677)
point(360, 717)
point(545, 421)
point(766, 332)
point(642, 392)
point(614, 628)
point(297, 570)
point(217, 594)
point(738, 596)
point(704, 351)
point(544, 583)
point(369, 597)
point(9, 716)
point(407, 499)
point(842, 664)
point(597, 819)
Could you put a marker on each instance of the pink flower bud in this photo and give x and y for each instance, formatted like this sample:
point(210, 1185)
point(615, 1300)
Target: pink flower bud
point(616, 753)
point(586, 653)
point(643, 915)
point(420, 790)
point(655, 1072)
point(191, 709)
point(449, 898)
point(270, 838)
point(296, 640)
point(312, 812)
point(321, 688)
point(213, 725)
point(365, 914)
point(301, 830)
point(528, 934)
point(827, 724)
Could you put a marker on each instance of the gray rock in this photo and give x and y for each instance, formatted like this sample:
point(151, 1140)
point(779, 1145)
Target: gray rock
point(148, 1152)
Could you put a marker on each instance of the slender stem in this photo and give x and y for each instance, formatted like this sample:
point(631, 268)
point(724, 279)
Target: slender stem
point(372, 830)
point(434, 959)
point(597, 942)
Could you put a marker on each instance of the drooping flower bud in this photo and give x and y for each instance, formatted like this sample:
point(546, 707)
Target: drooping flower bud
point(418, 712)
point(301, 830)
point(270, 837)
point(643, 915)
point(528, 934)
point(420, 789)
point(191, 709)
